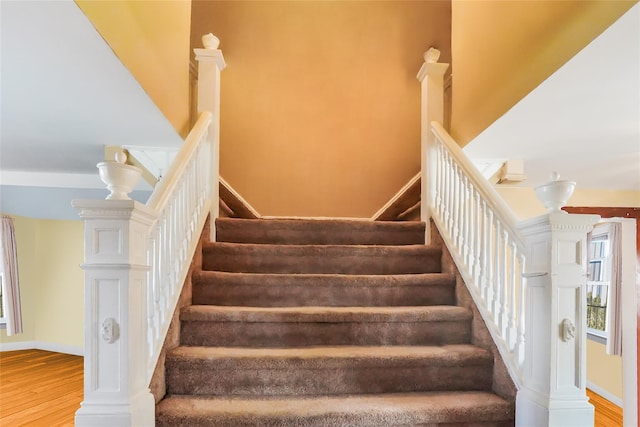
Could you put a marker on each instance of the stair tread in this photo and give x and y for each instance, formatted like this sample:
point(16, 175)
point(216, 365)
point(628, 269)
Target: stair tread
point(378, 409)
point(322, 356)
point(325, 314)
point(412, 279)
point(319, 259)
point(319, 231)
point(320, 248)
point(306, 223)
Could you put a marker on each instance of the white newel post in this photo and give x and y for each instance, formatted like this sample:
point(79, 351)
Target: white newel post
point(210, 63)
point(116, 390)
point(554, 376)
point(431, 76)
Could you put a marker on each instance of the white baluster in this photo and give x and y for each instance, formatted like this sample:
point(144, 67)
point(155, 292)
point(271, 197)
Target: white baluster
point(502, 317)
point(478, 236)
point(520, 342)
point(489, 260)
point(511, 311)
point(449, 194)
point(497, 282)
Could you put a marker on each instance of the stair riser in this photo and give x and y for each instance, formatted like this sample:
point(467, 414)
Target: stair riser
point(199, 379)
point(286, 295)
point(288, 334)
point(321, 260)
point(296, 232)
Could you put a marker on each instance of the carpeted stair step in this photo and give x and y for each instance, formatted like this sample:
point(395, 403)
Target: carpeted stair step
point(337, 290)
point(459, 409)
point(318, 232)
point(321, 259)
point(327, 370)
point(329, 326)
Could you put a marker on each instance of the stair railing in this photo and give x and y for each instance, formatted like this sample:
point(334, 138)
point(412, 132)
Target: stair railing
point(137, 257)
point(182, 202)
point(526, 278)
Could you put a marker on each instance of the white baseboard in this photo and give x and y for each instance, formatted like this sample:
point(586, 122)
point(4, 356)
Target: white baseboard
point(42, 345)
point(604, 393)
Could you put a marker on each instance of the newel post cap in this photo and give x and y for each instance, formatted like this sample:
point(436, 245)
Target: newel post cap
point(209, 41)
point(431, 67)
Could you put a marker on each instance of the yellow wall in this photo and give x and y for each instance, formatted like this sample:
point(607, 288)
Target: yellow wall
point(604, 370)
point(60, 301)
point(524, 203)
point(51, 282)
point(320, 102)
point(151, 38)
point(502, 50)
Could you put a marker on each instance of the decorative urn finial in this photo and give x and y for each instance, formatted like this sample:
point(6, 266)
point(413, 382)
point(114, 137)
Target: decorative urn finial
point(119, 177)
point(555, 194)
point(209, 41)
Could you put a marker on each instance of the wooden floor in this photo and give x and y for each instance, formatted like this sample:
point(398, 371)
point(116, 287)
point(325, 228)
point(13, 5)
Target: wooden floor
point(39, 388)
point(607, 414)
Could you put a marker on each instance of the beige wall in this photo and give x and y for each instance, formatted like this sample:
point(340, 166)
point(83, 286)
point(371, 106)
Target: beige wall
point(320, 102)
point(502, 50)
point(603, 370)
point(151, 38)
point(51, 282)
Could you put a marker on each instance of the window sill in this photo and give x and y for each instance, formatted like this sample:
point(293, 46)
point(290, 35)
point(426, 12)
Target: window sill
point(597, 338)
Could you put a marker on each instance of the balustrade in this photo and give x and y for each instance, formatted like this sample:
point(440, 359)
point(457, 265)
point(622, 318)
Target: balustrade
point(526, 278)
point(137, 258)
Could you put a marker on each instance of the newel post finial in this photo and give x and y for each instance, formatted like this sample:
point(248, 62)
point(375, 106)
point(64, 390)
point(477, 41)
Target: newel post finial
point(555, 193)
point(431, 77)
point(210, 64)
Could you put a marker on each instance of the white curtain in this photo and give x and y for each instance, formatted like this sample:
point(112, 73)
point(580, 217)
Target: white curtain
point(614, 309)
point(10, 282)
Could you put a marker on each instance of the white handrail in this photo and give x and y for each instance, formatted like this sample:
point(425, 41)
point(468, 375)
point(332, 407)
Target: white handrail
point(182, 203)
point(480, 232)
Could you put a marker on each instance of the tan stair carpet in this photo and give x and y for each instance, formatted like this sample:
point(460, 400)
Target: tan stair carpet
point(326, 323)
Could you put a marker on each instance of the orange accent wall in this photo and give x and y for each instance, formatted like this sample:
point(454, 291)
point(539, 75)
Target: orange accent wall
point(320, 105)
point(502, 50)
point(151, 38)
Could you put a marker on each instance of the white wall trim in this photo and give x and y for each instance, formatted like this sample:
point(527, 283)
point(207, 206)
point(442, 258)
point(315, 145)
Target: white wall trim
point(604, 393)
point(42, 345)
point(397, 196)
point(51, 179)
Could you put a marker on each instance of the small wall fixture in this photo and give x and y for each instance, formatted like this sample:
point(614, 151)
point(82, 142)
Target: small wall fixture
point(512, 172)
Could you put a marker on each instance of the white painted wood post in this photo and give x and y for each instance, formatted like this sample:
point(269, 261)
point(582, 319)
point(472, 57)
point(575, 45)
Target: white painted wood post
point(210, 63)
point(116, 390)
point(431, 76)
point(554, 377)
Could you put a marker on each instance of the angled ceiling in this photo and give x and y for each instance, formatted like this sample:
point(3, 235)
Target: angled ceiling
point(65, 95)
point(583, 121)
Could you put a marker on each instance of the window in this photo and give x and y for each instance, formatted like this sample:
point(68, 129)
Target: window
point(598, 283)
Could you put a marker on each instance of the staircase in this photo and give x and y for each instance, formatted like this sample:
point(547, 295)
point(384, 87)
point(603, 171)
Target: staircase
point(326, 323)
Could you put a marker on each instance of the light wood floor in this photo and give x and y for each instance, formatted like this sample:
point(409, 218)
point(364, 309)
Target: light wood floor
point(607, 414)
point(41, 388)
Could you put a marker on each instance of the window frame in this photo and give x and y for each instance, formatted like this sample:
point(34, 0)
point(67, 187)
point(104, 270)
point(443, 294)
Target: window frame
point(604, 261)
